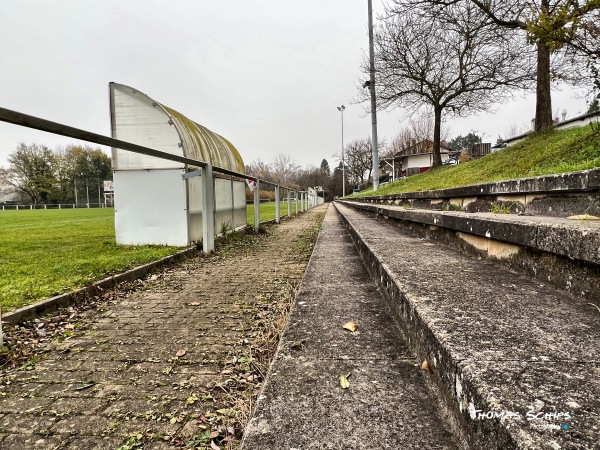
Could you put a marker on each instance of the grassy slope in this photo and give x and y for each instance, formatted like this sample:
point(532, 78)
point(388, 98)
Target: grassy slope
point(557, 152)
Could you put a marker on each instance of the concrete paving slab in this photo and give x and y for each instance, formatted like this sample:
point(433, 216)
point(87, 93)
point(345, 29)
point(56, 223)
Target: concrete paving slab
point(303, 406)
point(386, 406)
point(321, 335)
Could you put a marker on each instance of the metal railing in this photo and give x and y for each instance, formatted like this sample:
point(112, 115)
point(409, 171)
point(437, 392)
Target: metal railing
point(31, 206)
point(206, 170)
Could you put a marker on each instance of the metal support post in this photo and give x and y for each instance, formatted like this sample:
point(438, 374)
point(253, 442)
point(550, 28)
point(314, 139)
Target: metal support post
point(296, 201)
point(208, 210)
point(277, 206)
point(374, 143)
point(289, 202)
point(257, 207)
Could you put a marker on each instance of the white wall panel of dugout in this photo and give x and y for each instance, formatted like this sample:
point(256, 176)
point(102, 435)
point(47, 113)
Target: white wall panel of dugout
point(153, 204)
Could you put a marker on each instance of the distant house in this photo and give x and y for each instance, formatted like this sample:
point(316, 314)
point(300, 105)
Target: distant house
point(578, 121)
point(418, 158)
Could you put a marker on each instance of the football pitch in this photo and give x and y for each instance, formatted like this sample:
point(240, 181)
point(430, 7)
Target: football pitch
point(49, 252)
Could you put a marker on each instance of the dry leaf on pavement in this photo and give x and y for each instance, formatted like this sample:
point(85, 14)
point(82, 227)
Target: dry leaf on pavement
point(583, 217)
point(351, 326)
point(344, 381)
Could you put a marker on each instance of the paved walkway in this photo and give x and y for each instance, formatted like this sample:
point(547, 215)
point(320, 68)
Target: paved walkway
point(174, 363)
point(304, 406)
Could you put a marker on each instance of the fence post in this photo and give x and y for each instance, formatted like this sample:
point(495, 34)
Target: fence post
point(277, 205)
point(296, 201)
point(208, 210)
point(289, 202)
point(257, 206)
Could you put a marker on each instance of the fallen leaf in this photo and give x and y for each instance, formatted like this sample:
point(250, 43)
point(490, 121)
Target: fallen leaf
point(154, 277)
point(344, 381)
point(180, 353)
point(583, 217)
point(425, 365)
point(194, 304)
point(297, 345)
point(69, 326)
point(86, 386)
point(214, 434)
point(351, 326)
point(214, 446)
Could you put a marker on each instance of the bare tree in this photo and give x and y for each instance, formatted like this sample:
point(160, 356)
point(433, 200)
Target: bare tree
point(358, 159)
point(260, 170)
point(419, 128)
point(565, 29)
point(284, 168)
point(455, 63)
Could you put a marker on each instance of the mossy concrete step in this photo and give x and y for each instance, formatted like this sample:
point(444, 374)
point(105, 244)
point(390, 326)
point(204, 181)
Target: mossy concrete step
point(559, 195)
point(388, 404)
point(517, 360)
point(558, 250)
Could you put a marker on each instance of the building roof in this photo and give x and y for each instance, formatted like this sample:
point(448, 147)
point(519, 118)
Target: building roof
point(423, 147)
point(137, 115)
point(558, 125)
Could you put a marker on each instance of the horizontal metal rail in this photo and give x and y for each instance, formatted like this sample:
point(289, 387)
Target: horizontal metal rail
point(26, 120)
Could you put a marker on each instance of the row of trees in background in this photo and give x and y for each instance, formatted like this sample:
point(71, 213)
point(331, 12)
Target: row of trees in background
point(285, 171)
point(46, 176)
point(458, 57)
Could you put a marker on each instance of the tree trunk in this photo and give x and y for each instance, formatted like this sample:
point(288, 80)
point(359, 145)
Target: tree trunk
point(437, 127)
point(543, 107)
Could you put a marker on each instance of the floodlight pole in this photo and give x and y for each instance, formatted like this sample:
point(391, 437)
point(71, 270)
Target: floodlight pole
point(341, 110)
point(373, 101)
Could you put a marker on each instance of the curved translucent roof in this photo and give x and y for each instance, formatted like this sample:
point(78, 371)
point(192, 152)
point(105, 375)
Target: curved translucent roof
point(202, 144)
point(136, 117)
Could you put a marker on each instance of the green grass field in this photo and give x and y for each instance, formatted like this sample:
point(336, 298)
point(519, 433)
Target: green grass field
point(49, 252)
point(267, 211)
point(557, 152)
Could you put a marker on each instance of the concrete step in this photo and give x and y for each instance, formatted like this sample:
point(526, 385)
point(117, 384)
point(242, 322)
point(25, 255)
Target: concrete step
point(549, 248)
point(303, 406)
point(559, 195)
point(517, 360)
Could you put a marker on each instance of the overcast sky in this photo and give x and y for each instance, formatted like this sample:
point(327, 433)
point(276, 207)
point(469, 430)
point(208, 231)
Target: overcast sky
point(267, 75)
